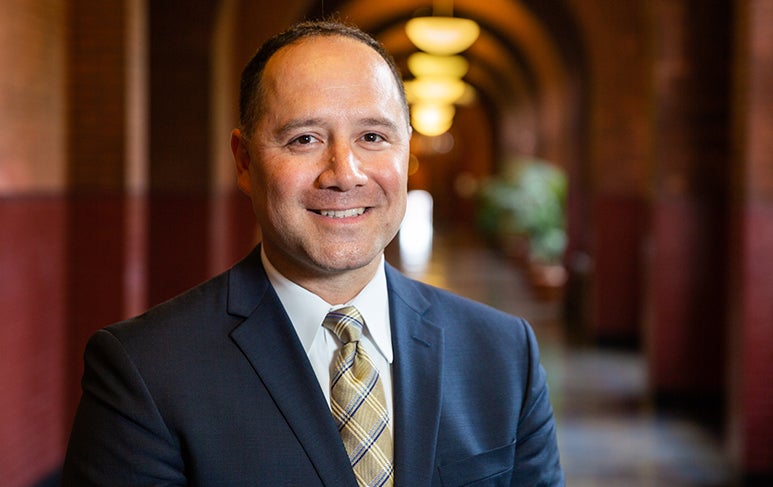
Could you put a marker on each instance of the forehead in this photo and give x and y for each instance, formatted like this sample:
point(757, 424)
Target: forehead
point(323, 44)
point(325, 58)
point(329, 73)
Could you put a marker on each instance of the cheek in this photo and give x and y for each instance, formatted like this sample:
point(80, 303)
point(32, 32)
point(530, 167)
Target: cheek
point(264, 192)
point(276, 197)
point(393, 172)
point(279, 182)
point(393, 180)
point(398, 177)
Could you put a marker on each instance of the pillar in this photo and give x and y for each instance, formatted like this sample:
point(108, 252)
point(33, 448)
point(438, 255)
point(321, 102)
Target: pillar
point(619, 152)
point(179, 175)
point(751, 379)
point(96, 173)
point(687, 268)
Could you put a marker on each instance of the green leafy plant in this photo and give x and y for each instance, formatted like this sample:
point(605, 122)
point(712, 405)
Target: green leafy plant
point(528, 197)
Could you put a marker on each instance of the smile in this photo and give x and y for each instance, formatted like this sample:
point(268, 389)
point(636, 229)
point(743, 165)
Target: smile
point(342, 213)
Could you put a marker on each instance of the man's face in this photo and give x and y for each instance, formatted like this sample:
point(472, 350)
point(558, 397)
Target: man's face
point(327, 162)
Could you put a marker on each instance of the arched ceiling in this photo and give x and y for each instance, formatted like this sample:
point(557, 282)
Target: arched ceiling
point(526, 51)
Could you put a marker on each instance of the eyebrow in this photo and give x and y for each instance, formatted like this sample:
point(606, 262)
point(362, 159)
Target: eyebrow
point(293, 125)
point(300, 123)
point(379, 121)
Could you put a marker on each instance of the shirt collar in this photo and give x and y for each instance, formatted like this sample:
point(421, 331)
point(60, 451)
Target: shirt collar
point(307, 310)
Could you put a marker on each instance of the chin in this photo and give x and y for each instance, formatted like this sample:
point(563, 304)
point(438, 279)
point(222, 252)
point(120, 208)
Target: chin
point(342, 260)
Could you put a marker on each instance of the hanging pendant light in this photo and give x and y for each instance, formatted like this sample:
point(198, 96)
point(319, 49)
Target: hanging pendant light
point(423, 64)
point(438, 70)
point(432, 119)
point(442, 35)
point(435, 89)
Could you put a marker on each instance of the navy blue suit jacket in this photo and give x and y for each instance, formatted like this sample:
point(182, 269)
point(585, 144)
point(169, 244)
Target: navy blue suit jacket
point(213, 388)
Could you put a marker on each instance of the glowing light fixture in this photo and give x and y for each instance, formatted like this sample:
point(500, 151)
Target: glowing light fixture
point(434, 89)
point(438, 71)
point(442, 35)
point(468, 97)
point(432, 119)
point(424, 64)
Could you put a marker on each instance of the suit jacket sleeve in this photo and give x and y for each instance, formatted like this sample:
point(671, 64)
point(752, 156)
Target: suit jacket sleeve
point(140, 450)
point(471, 399)
point(508, 437)
point(537, 458)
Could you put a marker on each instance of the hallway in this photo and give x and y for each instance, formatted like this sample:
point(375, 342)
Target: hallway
point(608, 431)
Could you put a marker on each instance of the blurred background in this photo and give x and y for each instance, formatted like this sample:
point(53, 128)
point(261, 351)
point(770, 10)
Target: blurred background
point(606, 171)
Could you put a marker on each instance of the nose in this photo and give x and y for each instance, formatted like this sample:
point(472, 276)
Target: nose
point(342, 169)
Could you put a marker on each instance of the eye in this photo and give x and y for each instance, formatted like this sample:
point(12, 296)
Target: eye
point(304, 139)
point(373, 137)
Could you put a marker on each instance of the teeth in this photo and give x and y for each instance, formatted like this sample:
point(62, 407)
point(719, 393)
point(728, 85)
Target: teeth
point(342, 213)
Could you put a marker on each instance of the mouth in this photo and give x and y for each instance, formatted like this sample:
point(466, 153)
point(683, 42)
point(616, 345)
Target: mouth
point(349, 213)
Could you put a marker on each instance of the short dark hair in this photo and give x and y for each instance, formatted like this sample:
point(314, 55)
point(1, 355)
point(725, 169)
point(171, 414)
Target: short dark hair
point(252, 75)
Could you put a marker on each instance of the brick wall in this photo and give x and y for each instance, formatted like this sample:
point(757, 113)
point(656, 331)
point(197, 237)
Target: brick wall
point(751, 389)
point(32, 337)
point(32, 239)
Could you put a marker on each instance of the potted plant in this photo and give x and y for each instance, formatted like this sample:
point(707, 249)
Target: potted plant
point(526, 202)
point(498, 215)
point(544, 189)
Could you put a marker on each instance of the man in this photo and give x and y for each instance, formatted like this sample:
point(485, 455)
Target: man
point(233, 382)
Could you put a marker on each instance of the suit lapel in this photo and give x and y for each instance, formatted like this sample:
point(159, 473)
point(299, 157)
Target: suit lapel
point(417, 374)
point(268, 340)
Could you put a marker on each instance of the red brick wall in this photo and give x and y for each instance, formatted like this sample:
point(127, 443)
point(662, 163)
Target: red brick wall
point(751, 388)
point(687, 266)
point(32, 239)
point(752, 424)
point(33, 367)
point(618, 247)
point(616, 173)
point(32, 96)
point(686, 322)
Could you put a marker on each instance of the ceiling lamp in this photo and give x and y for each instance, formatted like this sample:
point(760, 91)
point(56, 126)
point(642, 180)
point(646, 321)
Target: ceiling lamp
point(468, 97)
point(442, 35)
point(424, 64)
point(435, 89)
point(432, 119)
point(438, 71)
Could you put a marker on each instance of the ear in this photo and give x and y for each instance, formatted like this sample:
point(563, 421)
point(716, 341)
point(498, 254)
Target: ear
point(243, 162)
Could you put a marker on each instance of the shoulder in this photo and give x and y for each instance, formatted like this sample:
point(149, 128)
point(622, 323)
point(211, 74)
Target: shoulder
point(213, 307)
point(203, 300)
point(460, 318)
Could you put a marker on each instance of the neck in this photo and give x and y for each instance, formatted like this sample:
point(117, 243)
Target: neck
point(333, 286)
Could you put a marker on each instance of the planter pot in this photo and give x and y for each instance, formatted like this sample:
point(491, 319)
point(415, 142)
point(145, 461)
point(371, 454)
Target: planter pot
point(548, 280)
point(515, 247)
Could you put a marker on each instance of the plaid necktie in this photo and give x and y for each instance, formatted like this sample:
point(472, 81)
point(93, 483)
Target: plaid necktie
point(357, 402)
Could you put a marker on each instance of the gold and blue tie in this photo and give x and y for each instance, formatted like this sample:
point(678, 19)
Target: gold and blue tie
point(358, 404)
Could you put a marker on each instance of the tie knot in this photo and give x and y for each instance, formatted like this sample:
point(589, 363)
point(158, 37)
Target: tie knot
point(345, 322)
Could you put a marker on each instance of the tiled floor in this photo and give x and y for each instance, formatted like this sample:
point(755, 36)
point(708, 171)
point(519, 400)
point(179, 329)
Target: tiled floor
point(609, 433)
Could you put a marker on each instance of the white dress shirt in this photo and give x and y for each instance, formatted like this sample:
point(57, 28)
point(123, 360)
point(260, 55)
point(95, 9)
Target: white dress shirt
point(307, 311)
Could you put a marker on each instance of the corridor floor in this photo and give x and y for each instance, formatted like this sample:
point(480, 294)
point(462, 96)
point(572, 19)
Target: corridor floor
point(609, 434)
